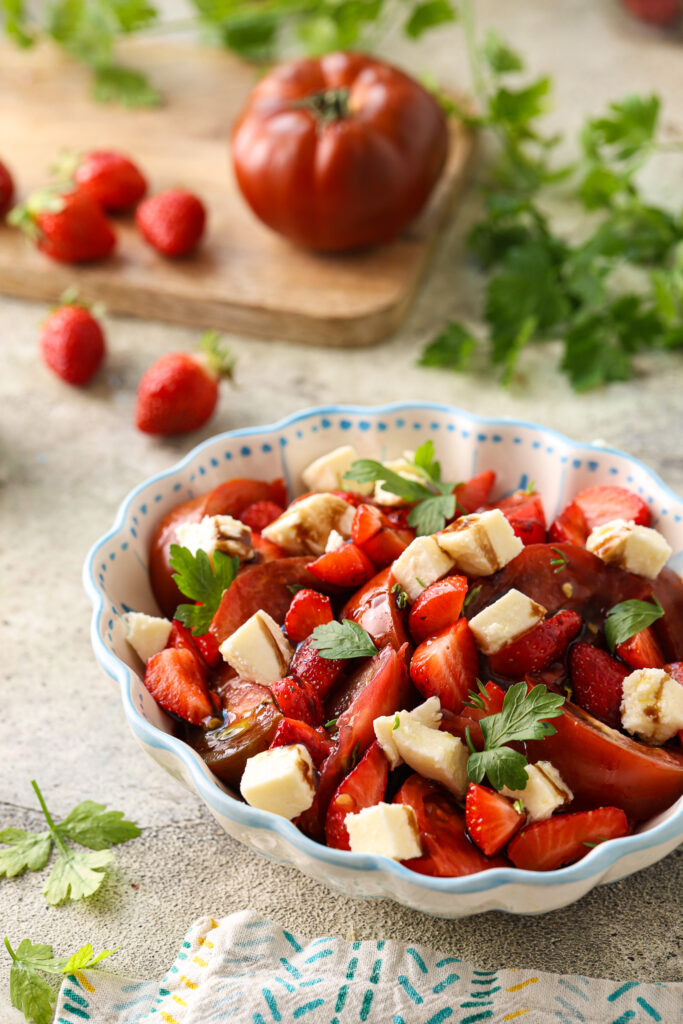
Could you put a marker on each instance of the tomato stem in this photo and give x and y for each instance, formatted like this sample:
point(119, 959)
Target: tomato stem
point(328, 105)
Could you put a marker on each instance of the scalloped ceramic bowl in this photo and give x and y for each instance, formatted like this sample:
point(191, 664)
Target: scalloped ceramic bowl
point(115, 576)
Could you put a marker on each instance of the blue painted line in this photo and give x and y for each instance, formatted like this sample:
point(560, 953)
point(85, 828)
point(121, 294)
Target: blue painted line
point(446, 982)
point(619, 992)
point(272, 1005)
point(77, 998)
point(448, 960)
point(409, 990)
point(318, 956)
point(307, 1007)
point(575, 1014)
point(649, 1009)
point(290, 968)
point(417, 958)
point(440, 1016)
point(367, 1003)
point(573, 988)
point(292, 941)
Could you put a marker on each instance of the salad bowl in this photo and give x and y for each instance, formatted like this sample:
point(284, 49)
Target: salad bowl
point(116, 580)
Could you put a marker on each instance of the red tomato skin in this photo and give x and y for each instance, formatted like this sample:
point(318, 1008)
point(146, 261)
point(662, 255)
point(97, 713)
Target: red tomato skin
point(346, 183)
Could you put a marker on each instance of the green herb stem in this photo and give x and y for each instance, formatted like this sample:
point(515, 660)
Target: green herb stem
point(54, 831)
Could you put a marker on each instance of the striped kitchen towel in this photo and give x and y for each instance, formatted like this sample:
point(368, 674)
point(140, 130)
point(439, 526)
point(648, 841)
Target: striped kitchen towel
point(244, 970)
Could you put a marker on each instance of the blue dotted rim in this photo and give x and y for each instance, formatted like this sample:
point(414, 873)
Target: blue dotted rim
point(593, 866)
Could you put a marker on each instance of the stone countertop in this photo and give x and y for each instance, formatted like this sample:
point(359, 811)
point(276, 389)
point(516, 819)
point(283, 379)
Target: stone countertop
point(68, 457)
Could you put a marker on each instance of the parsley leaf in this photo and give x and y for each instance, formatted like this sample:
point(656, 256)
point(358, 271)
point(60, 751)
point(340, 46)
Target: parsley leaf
point(92, 825)
point(32, 994)
point(115, 84)
point(626, 619)
point(28, 850)
point(76, 874)
point(342, 640)
point(199, 579)
point(426, 15)
point(451, 349)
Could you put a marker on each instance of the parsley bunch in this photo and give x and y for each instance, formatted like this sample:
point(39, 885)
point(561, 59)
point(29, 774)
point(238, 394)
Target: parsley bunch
point(203, 580)
point(32, 994)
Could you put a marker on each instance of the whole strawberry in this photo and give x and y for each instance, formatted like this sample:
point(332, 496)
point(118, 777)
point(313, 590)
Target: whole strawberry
point(6, 190)
point(108, 177)
point(657, 12)
point(67, 226)
point(172, 221)
point(179, 392)
point(72, 343)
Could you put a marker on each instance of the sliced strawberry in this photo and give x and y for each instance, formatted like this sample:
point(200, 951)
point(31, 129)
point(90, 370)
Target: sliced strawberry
point(492, 699)
point(491, 819)
point(387, 689)
point(386, 546)
point(538, 648)
point(299, 700)
point(448, 852)
point(174, 679)
point(474, 494)
point(307, 610)
point(526, 516)
point(597, 682)
point(375, 608)
point(348, 566)
point(564, 838)
point(207, 645)
point(367, 521)
point(437, 607)
point(642, 650)
point(602, 504)
point(261, 514)
point(364, 786)
point(204, 648)
point(570, 527)
point(446, 665)
point(322, 673)
point(316, 741)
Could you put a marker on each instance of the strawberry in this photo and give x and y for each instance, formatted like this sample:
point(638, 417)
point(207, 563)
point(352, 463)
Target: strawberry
point(322, 673)
point(492, 699)
point(564, 838)
point(364, 786)
point(69, 227)
point(72, 343)
point(179, 392)
point(368, 520)
point(446, 665)
point(378, 609)
point(207, 645)
point(474, 494)
point(388, 688)
point(491, 818)
point(298, 700)
point(526, 516)
point(108, 177)
point(657, 12)
point(437, 607)
point(538, 648)
point(597, 682)
point(385, 547)
point(641, 650)
point(307, 610)
point(6, 190)
point(174, 679)
point(316, 741)
point(347, 566)
point(261, 514)
point(570, 527)
point(172, 221)
point(595, 506)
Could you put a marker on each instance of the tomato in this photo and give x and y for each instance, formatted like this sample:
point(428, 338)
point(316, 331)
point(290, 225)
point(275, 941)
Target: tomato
point(374, 608)
point(339, 152)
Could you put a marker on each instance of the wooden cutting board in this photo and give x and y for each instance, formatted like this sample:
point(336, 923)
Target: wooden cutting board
point(243, 278)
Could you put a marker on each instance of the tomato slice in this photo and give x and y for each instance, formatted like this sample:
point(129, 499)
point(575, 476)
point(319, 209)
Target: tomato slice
point(363, 787)
point(374, 608)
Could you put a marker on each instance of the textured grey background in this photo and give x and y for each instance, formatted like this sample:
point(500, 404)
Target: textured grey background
point(68, 457)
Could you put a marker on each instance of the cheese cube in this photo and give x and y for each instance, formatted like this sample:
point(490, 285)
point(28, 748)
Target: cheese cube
point(280, 780)
point(334, 541)
point(405, 467)
point(216, 533)
point(505, 620)
point(637, 549)
point(387, 829)
point(544, 792)
point(258, 650)
point(480, 544)
point(146, 634)
point(327, 472)
point(304, 528)
point(428, 714)
point(652, 705)
point(434, 755)
point(423, 562)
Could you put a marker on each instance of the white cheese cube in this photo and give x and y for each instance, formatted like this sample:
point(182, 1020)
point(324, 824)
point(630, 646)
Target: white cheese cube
point(334, 541)
point(387, 829)
point(304, 528)
point(428, 713)
point(544, 792)
point(405, 467)
point(216, 533)
point(480, 544)
point(652, 705)
point(434, 755)
point(146, 634)
point(423, 562)
point(258, 650)
point(327, 472)
point(505, 620)
point(637, 549)
point(280, 780)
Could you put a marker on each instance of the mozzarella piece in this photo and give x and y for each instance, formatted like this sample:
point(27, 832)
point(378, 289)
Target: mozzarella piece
point(505, 620)
point(427, 714)
point(216, 533)
point(334, 541)
point(387, 829)
point(327, 472)
point(480, 544)
point(258, 650)
point(544, 792)
point(637, 549)
point(434, 755)
point(280, 780)
point(146, 634)
point(423, 562)
point(304, 528)
point(405, 467)
point(652, 705)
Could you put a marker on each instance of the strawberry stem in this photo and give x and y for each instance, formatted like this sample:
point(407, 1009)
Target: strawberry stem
point(218, 356)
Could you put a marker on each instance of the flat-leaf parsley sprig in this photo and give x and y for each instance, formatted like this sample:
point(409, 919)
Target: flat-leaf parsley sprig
point(32, 994)
point(75, 874)
point(523, 717)
point(626, 619)
point(342, 640)
point(203, 581)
